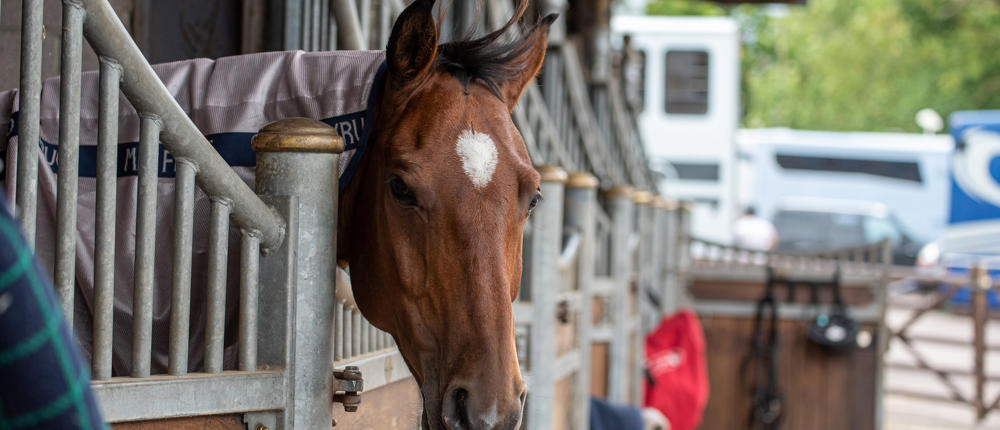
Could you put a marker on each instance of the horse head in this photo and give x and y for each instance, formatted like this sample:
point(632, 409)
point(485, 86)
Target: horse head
point(432, 224)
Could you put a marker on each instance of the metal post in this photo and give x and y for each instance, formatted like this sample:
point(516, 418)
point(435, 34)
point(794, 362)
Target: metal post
point(581, 202)
point(249, 277)
point(69, 155)
point(215, 308)
point(30, 96)
point(145, 246)
point(639, 320)
point(349, 35)
point(180, 298)
point(620, 210)
point(104, 236)
point(338, 332)
point(660, 246)
point(297, 171)
point(671, 227)
point(546, 241)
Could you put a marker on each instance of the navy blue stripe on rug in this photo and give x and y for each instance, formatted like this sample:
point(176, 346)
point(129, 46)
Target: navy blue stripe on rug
point(233, 147)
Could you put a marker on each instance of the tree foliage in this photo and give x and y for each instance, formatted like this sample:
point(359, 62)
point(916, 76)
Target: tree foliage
point(865, 65)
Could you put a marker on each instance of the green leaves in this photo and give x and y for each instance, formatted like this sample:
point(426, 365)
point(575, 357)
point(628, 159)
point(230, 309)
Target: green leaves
point(865, 65)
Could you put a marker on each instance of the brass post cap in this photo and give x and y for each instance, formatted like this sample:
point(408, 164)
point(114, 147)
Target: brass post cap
point(582, 180)
point(297, 135)
point(619, 191)
point(642, 197)
point(685, 204)
point(552, 173)
point(663, 203)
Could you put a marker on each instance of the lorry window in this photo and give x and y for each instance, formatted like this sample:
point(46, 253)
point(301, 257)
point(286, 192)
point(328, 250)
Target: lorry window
point(697, 171)
point(686, 87)
point(905, 170)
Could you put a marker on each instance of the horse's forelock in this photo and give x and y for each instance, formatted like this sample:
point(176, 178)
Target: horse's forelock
point(488, 59)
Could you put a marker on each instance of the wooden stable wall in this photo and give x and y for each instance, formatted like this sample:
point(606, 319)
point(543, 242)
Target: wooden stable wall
point(821, 391)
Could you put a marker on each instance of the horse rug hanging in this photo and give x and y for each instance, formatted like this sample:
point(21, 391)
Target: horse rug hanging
point(229, 100)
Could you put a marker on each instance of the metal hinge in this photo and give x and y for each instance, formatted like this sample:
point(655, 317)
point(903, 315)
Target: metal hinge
point(347, 387)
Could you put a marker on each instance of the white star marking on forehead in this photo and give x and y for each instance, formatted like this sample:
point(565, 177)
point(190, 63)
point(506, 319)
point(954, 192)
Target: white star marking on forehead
point(479, 156)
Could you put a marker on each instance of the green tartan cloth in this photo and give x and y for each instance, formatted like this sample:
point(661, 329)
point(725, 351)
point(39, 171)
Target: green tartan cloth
point(44, 382)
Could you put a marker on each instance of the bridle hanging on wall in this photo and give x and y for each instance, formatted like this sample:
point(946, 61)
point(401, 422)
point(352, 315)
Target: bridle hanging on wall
point(766, 406)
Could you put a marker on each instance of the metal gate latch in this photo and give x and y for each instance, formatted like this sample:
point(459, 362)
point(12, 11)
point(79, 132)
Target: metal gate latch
point(347, 387)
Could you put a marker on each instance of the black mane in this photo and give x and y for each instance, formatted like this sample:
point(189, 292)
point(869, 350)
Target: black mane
point(489, 59)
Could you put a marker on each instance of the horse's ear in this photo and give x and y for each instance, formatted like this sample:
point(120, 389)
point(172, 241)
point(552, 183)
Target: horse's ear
point(531, 58)
point(413, 42)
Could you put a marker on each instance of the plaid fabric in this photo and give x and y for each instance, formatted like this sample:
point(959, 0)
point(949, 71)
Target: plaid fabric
point(44, 383)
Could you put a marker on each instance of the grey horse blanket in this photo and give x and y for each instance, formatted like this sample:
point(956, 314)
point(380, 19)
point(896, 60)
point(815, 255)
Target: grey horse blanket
point(229, 99)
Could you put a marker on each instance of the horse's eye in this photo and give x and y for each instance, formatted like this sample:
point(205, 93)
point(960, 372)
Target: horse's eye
point(401, 192)
point(534, 202)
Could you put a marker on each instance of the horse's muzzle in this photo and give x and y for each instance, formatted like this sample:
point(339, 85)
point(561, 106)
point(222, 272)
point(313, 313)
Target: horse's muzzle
point(465, 409)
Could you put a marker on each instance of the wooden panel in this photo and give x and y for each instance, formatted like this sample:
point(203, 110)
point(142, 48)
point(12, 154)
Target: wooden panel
point(562, 404)
point(394, 406)
point(820, 391)
point(214, 422)
point(750, 291)
point(599, 369)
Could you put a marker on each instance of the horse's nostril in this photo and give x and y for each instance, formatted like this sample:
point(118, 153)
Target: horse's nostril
point(456, 411)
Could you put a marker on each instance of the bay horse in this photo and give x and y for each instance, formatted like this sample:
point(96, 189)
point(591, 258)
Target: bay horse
point(432, 224)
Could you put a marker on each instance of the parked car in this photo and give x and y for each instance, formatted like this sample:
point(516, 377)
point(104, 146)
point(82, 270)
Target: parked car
point(807, 224)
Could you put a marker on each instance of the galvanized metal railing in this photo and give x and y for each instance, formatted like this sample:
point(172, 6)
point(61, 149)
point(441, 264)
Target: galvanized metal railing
point(271, 375)
point(122, 66)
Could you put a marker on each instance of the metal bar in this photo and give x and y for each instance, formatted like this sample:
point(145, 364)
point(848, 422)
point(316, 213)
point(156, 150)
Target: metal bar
point(346, 333)
point(32, 33)
point(349, 35)
point(363, 334)
point(356, 333)
point(365, 18)
point(316, 31)
point(104, 236)
point(107, 35)
point(324, 26)
point(306, 23)
point(621, 211)
point(215, 308)
point(545, 243)
point(293, 25)
point(180, 298)
point(69, 156)
point(372, 340)
point(382, 369)
point(338, 331)
point(195, 394)
point(145, 246)
point(581, 201)
point(249, 273)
